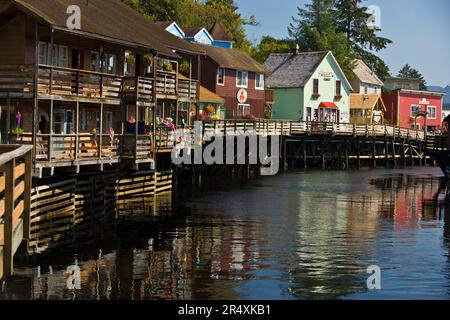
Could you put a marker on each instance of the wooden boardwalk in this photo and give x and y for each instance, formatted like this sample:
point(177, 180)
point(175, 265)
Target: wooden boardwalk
point(15, 197)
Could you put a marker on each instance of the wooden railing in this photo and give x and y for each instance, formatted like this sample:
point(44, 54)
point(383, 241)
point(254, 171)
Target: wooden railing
point(72, 147)
point(183, 89)
point(16, 81)
point(74, 82)
point(15, 197)
point(138, 89)
point(166, 83)
point(295, 128)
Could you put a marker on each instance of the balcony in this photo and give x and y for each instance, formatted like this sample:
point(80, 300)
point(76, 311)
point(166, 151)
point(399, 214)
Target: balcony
point(16, 81)
point(186, 94)
point(270, 96)
point(166, 85)
point(79, 85)
point(138, 90)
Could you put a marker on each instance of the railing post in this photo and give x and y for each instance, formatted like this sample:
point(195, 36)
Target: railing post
point(8, 218)
point(27, 195)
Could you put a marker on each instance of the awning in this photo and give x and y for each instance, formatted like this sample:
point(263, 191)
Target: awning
point(208, 97)
point(328, 105)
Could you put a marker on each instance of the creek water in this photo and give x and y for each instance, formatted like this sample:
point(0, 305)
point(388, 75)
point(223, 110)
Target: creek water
point(300, 235)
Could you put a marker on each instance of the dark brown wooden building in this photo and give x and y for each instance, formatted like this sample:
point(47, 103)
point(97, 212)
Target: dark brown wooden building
point(95, 94)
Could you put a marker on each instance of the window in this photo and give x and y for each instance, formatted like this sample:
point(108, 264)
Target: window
point(128, 66)
point(84, 120)
point(58, 57)
point(63, 56)
point(94, 65)
point(316, 86)
point(110, 63)
point(221, 76)
point(52, 56)
point(243, 109)
point(431, 112)
point(338, 88)
point(108, 121)
point(415, 110)
point(242, 79)
point(366, 90)
point(42, 53)
point(259, 79)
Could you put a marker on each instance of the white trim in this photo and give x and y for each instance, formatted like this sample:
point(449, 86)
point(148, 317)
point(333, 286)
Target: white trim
point(174, 24)
point(207, 33)
point(263, 81)
point(244, 105)
point(217, 76)
point(237, 78)
point(435, 112)
point(411, 110)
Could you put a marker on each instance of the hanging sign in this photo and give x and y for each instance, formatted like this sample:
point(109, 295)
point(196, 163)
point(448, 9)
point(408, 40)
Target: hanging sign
point(242, 96)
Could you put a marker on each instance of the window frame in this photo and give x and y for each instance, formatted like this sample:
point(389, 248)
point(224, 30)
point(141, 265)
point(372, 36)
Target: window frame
point(108, 56)
point(257, 77)
point(412, 114)
point(238, 78)
point(66, 64)
point(338, 88)
point(316, 86)
point(98, 63)
point(435, 112)
point(223, 77)
point(247, 108)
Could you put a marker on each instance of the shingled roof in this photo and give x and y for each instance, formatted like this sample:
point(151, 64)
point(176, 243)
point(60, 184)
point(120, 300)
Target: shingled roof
point(289, 70)
point(232, 58)
point(111, 21)
point(365, 74)
point(218, 33)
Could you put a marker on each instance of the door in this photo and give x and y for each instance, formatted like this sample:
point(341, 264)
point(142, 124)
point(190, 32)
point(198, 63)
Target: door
point(62, 125)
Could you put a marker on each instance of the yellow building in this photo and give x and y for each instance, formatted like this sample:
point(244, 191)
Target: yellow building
point(366, 109)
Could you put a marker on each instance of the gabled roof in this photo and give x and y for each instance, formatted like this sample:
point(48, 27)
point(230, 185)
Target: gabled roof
point(289, 70)
point(218, 33)
point(365, 101)
point(365, 74)
point(293, 70)
point(232, 58)
point(112, 21)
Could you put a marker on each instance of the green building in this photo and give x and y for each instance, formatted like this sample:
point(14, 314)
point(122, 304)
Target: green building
point(309, 86)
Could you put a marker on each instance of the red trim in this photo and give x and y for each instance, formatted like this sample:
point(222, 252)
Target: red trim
point(328, 105)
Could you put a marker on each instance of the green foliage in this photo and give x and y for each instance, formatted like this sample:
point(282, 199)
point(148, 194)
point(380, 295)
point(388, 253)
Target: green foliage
point(185, 67)
point(198, 13)
point(270, 45)
point(315, 29)
point(341, 27)
point(363, 40)
point(408, 72)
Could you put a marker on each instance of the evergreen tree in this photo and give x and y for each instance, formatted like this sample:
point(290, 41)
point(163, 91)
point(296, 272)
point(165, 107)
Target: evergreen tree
point(363, 40)
point(315, 29)
point(408, 72)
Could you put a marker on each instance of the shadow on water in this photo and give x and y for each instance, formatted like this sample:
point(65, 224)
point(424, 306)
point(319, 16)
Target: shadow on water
point(304, 235)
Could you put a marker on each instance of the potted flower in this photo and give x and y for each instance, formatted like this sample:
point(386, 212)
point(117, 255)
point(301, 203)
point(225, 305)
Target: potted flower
point(167, 66)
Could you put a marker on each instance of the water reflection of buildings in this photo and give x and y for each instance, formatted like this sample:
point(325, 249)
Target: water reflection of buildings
point(338, 230)
point(312, 242)
point(177, 257)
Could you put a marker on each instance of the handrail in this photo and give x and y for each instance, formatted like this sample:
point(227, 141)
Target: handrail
point(15, 152)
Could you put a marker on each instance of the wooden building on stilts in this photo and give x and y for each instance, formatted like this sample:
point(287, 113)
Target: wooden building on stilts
point(94, 94)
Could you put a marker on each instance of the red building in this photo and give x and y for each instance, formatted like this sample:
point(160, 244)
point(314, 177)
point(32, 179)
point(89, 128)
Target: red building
point(408, 108)
point(236, 77)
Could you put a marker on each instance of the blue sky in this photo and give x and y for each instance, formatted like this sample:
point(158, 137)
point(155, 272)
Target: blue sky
point(420, 30)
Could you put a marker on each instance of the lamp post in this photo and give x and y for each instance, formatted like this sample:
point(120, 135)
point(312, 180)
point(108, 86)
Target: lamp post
point(425, 103)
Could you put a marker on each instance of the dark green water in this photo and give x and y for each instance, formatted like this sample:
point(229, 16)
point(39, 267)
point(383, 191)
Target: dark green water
point(306, 235)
